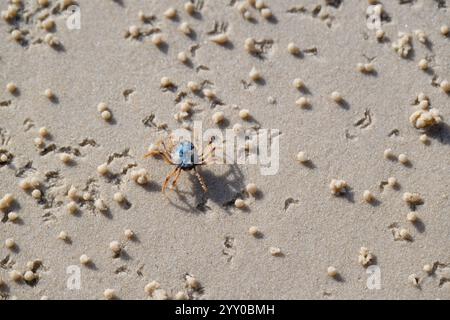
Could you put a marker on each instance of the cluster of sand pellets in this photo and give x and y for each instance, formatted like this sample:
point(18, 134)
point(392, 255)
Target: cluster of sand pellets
point(83, 195)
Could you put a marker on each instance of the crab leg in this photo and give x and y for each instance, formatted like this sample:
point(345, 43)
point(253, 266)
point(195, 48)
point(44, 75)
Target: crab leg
point(205, 157)
point(200, 179)
point(177, 175)
point(166, 157)
point(164, 153)
point(168, 178)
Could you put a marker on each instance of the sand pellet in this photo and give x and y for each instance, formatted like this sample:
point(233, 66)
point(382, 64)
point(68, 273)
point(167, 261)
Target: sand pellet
point(412, 217)
point(43, 3)
point(109, 294)
point(16, 35)
point(73, 193)
point(129, 234)
point(103, 169)
point(192, 282)
point(185, 28)
point(421, 36)
point(254, 231)
point(424, 104)
point(6, 201)
point(365, 67)
point(134, 31)
point(365, 257)
point(182, 57)
point(63, 236)
point(379, 34)
point(259, 4)
point(48, 24)
point(106, 115)
point(368, 196)
point(51, 40)
point(293, 49)
point(389, 154)
point(254, 74)
point(13, 216)
point(43, 132)
point(102, 106)
point(275, 251)
point(422, 119)
point(15, 276)
point(302, 157)
point(422, 96)
point(221, 39)
point(332, 271)
point(100, 205)
point(244, 114)
point(29, 276)
point(403, 158)
point(423, 64)
point(115, 247)
point(427, 268)
point(186, 106)
point(404, 234)
point(10, 243)
point(336, 96)
point(84, 259)
point(445, 86)
point(302, 102)
point(239, 203)
point(193, 86)
point(65, 158)
point(157, 39)
point(298, 83)
point(87, 196)
point(412, 198)
point(266, 13)
point(218, 117)
point(166, 82)
point(250, 45)
point(36, 194)
point(403, 45)
point(72, 207)
point(39, 142)
point(424, 138)
point(338, 186)
point(181, 295)
point(208, 93)
point(392, 182)
point(119, 197)
point(140, 176)
point(189, 7)
point(251, 188)
point(11, 87)
point(151, 287)
point(170, 13)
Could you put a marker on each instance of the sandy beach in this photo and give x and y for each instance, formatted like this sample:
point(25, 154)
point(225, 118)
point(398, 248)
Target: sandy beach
point(355, 92)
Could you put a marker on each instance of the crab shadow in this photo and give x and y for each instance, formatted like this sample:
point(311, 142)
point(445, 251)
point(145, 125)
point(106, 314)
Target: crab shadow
point(440, 133)
point(223, 190)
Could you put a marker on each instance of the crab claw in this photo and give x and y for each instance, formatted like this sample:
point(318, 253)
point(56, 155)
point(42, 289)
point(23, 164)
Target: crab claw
point(152, 153)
